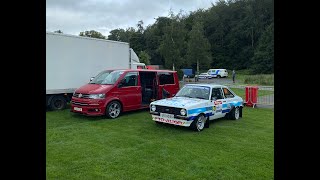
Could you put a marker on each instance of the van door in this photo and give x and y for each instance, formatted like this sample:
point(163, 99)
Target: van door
point(130, 91)
point(168, 84)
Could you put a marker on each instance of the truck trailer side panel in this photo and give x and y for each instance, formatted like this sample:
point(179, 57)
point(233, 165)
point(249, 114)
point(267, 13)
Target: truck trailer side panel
point(72, 60)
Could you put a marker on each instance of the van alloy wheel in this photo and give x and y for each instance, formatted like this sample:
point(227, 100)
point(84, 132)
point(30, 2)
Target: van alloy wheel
point(113, 109)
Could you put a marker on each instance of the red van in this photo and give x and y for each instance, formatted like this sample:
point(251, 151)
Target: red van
point(114, 91)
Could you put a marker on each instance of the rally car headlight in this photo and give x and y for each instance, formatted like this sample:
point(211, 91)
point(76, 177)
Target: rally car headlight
point(153, 108)
point(183, 112)
point(97, 96)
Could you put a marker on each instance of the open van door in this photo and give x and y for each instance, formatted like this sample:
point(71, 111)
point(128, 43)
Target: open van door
point(168, 84)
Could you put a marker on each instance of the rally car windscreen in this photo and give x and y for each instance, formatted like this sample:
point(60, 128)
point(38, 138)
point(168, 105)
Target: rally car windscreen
point(200, 92)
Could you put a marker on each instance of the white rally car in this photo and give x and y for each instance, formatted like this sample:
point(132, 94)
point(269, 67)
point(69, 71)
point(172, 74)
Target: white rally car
point(195, 104)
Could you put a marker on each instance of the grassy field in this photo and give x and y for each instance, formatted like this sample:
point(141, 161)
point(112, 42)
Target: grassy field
point(134, 147)
point(244, 77)
point(242, 92)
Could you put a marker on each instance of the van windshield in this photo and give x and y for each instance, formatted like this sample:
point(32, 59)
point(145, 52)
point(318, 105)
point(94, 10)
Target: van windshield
point(107, 77)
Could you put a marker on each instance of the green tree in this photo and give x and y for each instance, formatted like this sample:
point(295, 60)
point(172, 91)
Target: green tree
point(153, 38)
point(173, 44)
point(144, 57)
point(118, 35)
point(263, 60)
point(92, 34)
point(198, 47)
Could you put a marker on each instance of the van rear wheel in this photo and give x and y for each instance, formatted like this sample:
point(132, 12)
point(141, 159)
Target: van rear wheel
point(113, 109)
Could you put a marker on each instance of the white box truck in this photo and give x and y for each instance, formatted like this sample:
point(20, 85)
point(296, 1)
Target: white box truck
point(72, 60)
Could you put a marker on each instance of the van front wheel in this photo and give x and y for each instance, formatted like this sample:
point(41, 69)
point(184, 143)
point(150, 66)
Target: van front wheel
point(113, 109)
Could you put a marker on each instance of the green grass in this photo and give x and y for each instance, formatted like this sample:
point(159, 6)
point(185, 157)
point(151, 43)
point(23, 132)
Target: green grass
point(244, 77)
point(242, 93)
point(134, 147)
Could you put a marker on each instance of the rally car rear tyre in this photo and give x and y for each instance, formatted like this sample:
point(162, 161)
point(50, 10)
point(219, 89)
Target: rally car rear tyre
point(235, 113)
point(199, 123)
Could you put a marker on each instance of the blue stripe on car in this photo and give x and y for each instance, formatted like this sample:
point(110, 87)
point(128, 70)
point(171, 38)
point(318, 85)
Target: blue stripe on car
point(225, 110)
point(199, 110)
point(194, 117)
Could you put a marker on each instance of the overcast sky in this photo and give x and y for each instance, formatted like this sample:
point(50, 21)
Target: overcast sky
point(74, 16)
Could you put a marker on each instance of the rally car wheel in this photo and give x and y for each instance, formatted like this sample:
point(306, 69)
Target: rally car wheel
point(113, 109)
point(235, 113)
point(199, 123)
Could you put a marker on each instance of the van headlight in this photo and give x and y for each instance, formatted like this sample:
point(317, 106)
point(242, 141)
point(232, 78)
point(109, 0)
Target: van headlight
point(153, 108)
point(183, 112)
point(97, 96)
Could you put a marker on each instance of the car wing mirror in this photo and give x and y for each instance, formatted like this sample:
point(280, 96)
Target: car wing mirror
point(91, 79)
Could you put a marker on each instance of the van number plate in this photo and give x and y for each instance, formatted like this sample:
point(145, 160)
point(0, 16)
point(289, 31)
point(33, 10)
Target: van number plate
point(77, 109)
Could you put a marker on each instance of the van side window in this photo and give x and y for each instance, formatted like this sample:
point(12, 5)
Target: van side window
point(166, 78)
point(131, 79)
point(227, 93)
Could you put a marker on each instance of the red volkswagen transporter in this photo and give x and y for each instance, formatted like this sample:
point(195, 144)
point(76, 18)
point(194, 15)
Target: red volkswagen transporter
point(114, 91)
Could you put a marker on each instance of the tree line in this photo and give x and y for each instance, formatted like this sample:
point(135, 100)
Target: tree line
point(233, 34)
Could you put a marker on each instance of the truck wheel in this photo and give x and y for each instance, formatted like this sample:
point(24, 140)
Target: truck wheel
point(235, 113)
point(218, 76)
point(113, 109)
point(198, 124)
point(58, 103)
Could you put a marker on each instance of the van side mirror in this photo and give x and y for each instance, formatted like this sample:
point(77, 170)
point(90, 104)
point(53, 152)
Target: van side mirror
point(91, 79)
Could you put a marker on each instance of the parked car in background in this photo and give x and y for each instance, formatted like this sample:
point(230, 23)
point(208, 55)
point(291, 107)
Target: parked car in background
point(218, 73)
point(205, 76)
point(197, 104)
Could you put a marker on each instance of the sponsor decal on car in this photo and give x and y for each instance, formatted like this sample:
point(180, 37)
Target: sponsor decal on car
point(214, 108)
point(170, 121)
point(217, 102)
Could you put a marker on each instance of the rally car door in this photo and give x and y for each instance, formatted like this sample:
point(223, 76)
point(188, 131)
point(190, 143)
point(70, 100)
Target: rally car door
point(217, 103)
point(229, 100)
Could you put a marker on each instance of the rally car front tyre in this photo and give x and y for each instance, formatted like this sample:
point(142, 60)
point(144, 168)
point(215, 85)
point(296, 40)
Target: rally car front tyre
point(199, 123)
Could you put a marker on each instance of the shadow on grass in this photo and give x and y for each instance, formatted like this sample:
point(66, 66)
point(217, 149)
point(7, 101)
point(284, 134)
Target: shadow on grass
point(212, 124)
point(104, 117)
